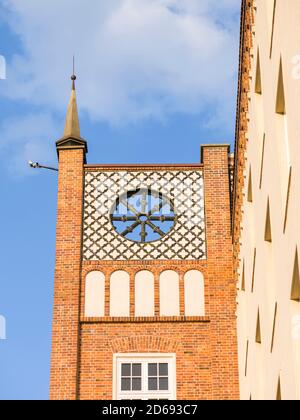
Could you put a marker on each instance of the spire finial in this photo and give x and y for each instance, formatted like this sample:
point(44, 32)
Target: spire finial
point(73, 77)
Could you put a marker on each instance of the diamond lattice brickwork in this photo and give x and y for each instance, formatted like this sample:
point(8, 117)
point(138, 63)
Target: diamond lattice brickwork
point(186, 241)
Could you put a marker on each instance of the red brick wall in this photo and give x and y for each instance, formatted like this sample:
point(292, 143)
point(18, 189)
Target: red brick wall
point(222, 290)
point(206, 348)
point(188, 340)
point(65, 336)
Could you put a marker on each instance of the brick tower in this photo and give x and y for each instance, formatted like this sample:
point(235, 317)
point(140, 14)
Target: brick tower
point(145, 299)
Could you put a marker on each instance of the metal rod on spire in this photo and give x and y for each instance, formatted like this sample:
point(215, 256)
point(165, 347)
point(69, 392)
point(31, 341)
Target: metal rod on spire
point(73, 77)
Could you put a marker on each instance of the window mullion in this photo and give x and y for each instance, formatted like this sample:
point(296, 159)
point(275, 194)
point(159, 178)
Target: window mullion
point(145, 376)
point(119, 379)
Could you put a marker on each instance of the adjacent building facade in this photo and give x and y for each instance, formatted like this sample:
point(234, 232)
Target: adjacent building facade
point(145, 297)
point(266, 226)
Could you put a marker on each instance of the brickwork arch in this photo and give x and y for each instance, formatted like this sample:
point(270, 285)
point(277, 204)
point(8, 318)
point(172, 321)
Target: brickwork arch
point(143, 344)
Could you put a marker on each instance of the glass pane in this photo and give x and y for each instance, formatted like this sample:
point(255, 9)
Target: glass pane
point(152, 384)
point(152, 369)
point(137, 369)
point(136, 384)
point(125, 385)
point(163, 369)
point(126, 369)
point(163, 384)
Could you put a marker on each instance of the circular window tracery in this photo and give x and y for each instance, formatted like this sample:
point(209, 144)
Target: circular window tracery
point(143, 215)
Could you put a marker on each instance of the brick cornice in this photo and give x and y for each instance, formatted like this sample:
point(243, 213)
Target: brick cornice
point(139, 320)
point(246, 43)
point(144, 167)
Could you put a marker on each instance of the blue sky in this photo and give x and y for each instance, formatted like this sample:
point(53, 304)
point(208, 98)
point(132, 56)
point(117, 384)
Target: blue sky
point(156, 78)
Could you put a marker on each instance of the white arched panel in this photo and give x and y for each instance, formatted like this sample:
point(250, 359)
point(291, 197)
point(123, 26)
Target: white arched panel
point(144, 294)
point(169, 293)
point(120, 294)
point(194, 293)
point(94, 294)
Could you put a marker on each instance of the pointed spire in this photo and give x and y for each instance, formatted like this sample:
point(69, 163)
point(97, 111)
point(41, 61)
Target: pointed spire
point(72, 128)
point(71, 138)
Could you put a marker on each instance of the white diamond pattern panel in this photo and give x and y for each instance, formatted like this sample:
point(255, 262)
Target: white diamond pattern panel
point(186, 241)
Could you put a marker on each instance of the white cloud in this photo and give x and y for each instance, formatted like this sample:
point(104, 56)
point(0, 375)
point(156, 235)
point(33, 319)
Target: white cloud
point(24, 138)
point(135, 58)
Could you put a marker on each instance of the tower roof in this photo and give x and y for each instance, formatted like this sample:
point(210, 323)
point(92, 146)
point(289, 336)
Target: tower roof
point(71, 138)
point(72, 127)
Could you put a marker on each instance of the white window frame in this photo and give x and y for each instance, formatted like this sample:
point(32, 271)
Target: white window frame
point(144, 359)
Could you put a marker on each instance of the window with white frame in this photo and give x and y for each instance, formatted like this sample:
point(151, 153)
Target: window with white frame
point(145, 377)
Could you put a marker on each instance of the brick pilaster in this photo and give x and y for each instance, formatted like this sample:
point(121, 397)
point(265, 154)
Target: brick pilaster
point(222, 290)
point(65, 341)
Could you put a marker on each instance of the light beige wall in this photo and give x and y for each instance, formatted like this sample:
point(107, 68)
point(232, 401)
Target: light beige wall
point(274, 261)
point(144, 300)
point(194, 293)
point(144, 294)
point(119, 294)
point(94, 294)
point(169, 293)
